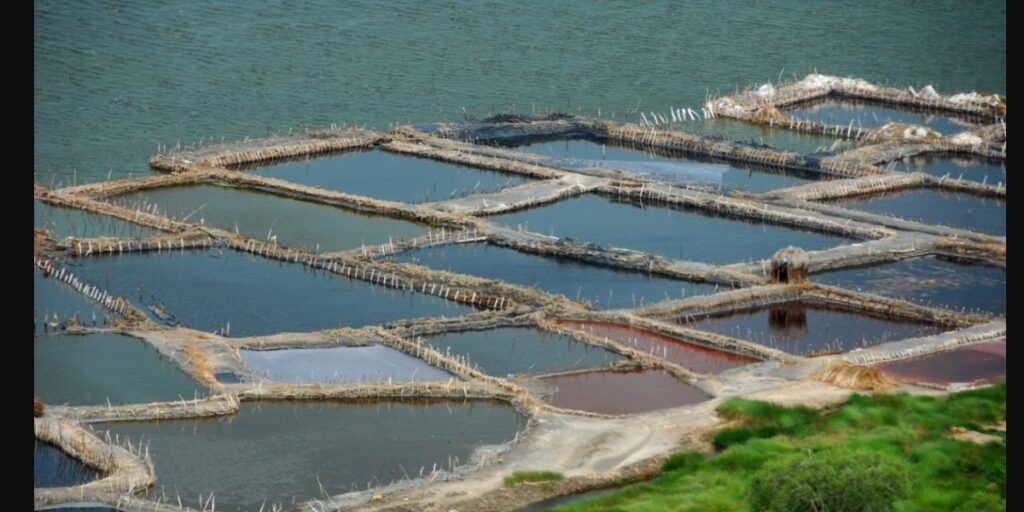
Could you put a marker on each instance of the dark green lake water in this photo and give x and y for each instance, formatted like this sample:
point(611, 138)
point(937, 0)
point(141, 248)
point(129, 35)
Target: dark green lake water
point(112, 79)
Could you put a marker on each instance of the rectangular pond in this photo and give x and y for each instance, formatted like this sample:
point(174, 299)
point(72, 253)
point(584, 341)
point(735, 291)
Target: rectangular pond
point(699, 358)
point(505, 351)
point(621, 391)
point(867, 114)
point(668, 232)
point(932, 206)
point(598, 286)
point(294, 223)
point(757, 134)
point(977, 363)
point(665, 165)
point(286, 452)
point(54, 301)
point(930, 280)
point(206, 289)
point(392, 177)
point(64, 222)
point(809, 327)
point(55, 468)
point(982, 170)
point(341, 365)
point(97, 369)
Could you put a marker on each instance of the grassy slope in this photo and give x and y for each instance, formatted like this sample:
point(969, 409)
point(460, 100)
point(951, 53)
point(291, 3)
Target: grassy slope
point(947, 474)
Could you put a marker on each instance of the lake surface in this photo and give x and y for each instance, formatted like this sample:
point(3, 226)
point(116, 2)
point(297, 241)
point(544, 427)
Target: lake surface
point(113, 80)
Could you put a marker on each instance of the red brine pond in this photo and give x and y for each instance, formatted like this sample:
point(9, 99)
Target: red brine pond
point(621, 392)
point(973, 364)
point(695, 357)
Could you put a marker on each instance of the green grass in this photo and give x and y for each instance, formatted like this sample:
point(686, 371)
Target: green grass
point(946, 474)
point(532, 476)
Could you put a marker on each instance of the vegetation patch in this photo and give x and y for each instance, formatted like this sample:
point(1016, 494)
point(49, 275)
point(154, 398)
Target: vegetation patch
point(888, 452)
point(532, 476)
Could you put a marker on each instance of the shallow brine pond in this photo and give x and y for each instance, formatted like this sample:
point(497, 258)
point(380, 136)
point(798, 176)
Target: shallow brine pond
point(55, 468)
point(809, 327)
point(955, 167)
point(500, 352)
point(668, 232)
point(64, 222)
point(291, 222)
point(981, 214)
point(663, 165)
point(206, 289)
point(54, 302)
point(289, 452)
point(598, 286)
point(971, 364)
point(931, 280)
point(392, 177)
point(867, 114)
point(621, 391)
point(698, 358)
point(97, 369)
point(337, 365)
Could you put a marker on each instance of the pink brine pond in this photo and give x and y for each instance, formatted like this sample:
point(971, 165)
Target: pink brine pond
point(621, 392)
point(972, 364)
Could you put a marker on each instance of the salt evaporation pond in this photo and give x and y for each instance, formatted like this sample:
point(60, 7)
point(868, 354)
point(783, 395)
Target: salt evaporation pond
point(867, 114)
point(341, 365)
point(955, 167)
point(51, 297)
point(505, 351)
point(959, 210)
point(699, 358)
point(55, 468)
point(294, 223)
point(809, 327)
point(598, 286)
point(977, 363)
point(63, 222)
point(581, 153)
point(96, 369)
point(621, 391)
point(289, 452)
point(668, 232)
point(392, 177)
point(930, 280)
point(206, 289)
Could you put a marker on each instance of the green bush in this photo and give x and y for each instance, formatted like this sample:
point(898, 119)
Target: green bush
point(836, 479)
point(682, 460)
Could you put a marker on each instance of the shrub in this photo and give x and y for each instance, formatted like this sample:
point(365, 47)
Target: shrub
point(682, 460)
point(836, 479)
